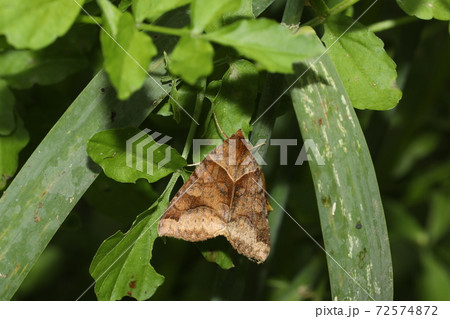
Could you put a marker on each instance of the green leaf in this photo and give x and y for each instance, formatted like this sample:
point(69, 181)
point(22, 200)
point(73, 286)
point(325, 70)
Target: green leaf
point(439, 218)
point(204, 12)
point(270, 44)
point(153, 9)
point(7, 119)
point(121, 265)
point(23, 69)
point(58, 173)
point(350, 208)
point(106, 197)
point(406, 224)
point(10, 146)
point(260, 5)
point(35, 24)
point(3, 44)
point(367, 71)
point(192, 59)
point(235, 102)
point(219, 257)
point(127, 56)
point(426, 9)
point(111, 16)
point(434, 280)
point(110, 148)
point(124, 5)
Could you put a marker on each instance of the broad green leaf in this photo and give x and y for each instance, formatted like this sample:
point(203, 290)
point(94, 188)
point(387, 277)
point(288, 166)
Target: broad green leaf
point(204, 12)
point(35, 24)
point(153, 9)
point(121, 265)
point(7, 119)
point(219, 257)
point(235, 102)
point(129, 154)
point(10, 146)
point(426, 9)
point(59, 171)
point(270, 44)
point(23, 69)
point(127, 56)
point(350, 208)
point(192, 59)
point(367, 71)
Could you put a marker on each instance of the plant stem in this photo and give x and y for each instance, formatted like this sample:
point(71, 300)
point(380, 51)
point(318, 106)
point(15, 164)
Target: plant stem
point(89, 19)
point(165, 30)
point(341, 6)
point(391, 23)
point(196, 115)
point(323, 15)
point(293, 11)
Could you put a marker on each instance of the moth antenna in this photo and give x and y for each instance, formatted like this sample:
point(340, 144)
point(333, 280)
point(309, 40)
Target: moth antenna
point(194, 164)
point(259, 145)
point(218, 126)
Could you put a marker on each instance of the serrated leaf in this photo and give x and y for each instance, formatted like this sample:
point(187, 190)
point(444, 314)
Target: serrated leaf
point(270, 44)
point(10, 146)
point(219, 257)
point(367, 71)
point(35, 24)
point(153, 9)
point(7, 120)
point(426, 9)
point(121, 267)
point(241, 83)
point(350, 208)
point(127, 56)
point(192, 59)
point(109, 149)
point(203, 12)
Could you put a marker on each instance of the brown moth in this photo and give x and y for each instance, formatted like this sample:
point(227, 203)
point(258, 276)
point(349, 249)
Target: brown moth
point(223, 196)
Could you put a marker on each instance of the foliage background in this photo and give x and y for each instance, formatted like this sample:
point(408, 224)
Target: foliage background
point(409, 146)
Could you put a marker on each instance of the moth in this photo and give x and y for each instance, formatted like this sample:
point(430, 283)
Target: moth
point(224, 196)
